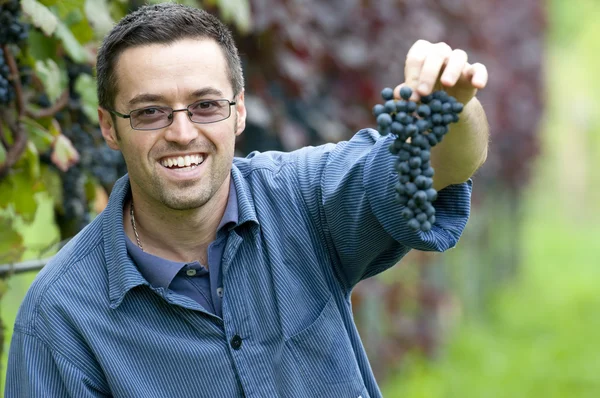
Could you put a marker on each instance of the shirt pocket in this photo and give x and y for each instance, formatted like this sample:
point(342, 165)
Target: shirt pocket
point(325, 356)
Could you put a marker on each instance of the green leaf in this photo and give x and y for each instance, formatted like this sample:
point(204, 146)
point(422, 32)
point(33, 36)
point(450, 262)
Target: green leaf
point(83, 31)
point(69, 11)
point(97, 13)
point(41, 46)
point(236, 11)
point(53, 79)
point(11, 242)
point(52, 182)
point(19, 189)
point(75, 50)
point(2, 153)
point(85, 86)
point(32, 156)
point(40, 16)
point(64, 154)
point(38, 134)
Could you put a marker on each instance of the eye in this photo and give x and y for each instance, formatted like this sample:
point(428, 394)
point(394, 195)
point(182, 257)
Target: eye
point(150, 111)
point(206, 105)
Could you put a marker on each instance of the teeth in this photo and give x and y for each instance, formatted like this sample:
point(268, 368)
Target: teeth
point(183, 161)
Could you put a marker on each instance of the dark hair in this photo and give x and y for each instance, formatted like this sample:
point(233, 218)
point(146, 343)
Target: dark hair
point(162, 24)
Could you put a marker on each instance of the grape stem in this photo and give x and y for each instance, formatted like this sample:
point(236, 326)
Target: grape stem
point(16, 79)
point(3, 137)
point(58, 106)
point(15, 151)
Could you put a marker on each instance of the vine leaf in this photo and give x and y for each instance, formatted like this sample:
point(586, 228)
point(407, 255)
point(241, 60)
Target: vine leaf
point(75, 50)
point(64, 154)
point(11, 242)
point(85, 86)
point(98, 15)
point(18, 190)
point(2, 153)
point(53, 79)
point(32, 156)
point(236, 11)
point(40, 16)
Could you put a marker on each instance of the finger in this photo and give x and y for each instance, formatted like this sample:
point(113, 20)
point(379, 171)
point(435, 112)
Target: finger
point(414, 62)
point(432, 68)
point(477, 74)
point(456, 64)
point(480, 76)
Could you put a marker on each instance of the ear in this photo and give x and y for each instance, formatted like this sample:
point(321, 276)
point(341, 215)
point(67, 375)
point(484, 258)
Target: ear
point(240, 108)
point(108, 128)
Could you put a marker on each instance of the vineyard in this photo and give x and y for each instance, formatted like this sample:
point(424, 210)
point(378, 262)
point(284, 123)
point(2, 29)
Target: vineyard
point(313, 72)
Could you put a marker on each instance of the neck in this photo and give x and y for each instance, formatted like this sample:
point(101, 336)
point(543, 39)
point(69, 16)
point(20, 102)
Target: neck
point(177, 235)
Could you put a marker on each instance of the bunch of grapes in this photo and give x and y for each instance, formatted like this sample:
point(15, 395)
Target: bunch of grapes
point(12, 31)
point(417, 127)
point(7, 93)
point(11, 28)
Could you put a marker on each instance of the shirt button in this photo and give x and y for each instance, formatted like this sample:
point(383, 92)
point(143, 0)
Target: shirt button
point(220, 292)
point(190, 272)
point(236, 342)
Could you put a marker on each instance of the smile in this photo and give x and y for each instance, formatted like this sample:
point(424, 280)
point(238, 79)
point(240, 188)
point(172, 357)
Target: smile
point(182, 161)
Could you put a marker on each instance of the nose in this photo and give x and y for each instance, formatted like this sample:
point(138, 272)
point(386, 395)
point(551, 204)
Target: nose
point(182, 130)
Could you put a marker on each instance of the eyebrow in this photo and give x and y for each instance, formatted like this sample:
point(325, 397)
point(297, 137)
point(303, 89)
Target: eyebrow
point(147, 97)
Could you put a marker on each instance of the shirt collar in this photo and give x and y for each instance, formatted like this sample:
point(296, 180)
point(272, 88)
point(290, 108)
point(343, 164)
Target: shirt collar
point(231, 210)
point(160, 272)
point(245, 201)
point(123, 274)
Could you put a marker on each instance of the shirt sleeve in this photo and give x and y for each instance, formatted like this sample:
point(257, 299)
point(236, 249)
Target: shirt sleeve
point(359, 215)
point(34, 370)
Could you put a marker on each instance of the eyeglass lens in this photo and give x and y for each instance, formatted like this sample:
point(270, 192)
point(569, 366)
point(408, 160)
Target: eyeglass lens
point(156, 117)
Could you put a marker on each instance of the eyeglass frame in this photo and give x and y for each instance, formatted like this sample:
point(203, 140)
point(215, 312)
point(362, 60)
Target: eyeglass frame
point(170, 116)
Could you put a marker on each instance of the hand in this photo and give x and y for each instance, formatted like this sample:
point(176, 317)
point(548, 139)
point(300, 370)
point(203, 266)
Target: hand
point(430, 67)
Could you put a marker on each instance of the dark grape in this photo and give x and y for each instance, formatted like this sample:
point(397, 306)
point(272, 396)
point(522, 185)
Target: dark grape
point(390, 106)
point(378, 110)
point(12, 31)
point(387, 94)
point(414, 224)
point(407, 213)
point(436, 106)
point(401, 106)
point(414, 162)
point(405, 92)
point(423, 111)
point(384, 120)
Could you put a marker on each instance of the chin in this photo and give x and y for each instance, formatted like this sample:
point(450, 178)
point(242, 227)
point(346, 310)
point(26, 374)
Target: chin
point(190, 203)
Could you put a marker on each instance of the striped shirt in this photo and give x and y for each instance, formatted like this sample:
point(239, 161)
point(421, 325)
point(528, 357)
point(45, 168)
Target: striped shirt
point(312, 223)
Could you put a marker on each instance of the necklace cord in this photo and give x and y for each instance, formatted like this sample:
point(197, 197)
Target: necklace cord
point(137, 237)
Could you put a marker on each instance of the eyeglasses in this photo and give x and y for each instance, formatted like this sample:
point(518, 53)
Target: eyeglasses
point(158, 117)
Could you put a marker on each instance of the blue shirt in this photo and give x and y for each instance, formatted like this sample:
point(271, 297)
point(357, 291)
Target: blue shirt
point(312, 224)
point(191, 279)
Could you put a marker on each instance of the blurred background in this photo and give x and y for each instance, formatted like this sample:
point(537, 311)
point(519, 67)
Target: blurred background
point(512, 311)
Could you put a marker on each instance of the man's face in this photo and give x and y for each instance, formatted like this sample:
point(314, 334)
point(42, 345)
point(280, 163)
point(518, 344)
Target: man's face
point(175, 75)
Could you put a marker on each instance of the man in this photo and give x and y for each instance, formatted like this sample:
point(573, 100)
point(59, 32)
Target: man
point(209, 276)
